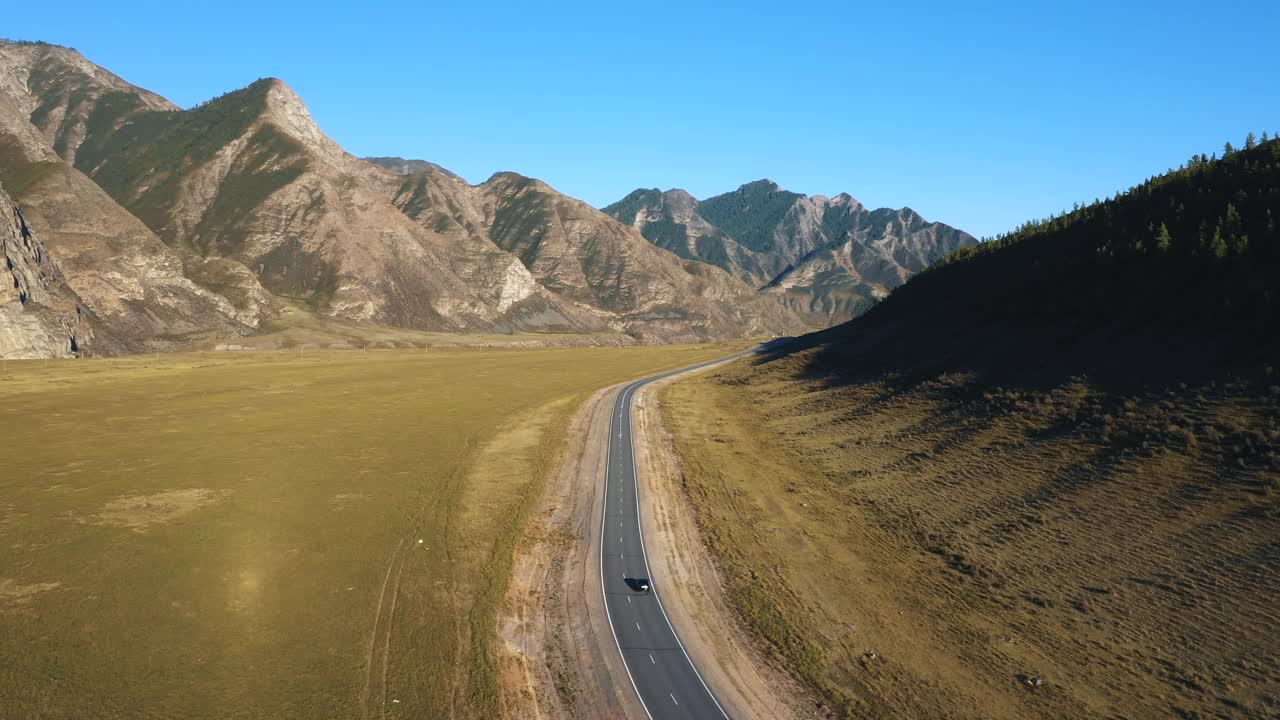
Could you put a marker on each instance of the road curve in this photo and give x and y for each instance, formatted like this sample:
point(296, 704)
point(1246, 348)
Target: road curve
point(665, 679)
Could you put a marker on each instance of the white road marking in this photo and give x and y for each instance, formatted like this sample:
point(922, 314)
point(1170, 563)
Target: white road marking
point(673, 699)
point(604, 596)
point(651, 660)
point(637, 626)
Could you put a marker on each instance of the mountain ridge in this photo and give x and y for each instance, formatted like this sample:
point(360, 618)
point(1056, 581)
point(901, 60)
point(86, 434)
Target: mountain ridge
point(251, 208)
point(828, 258)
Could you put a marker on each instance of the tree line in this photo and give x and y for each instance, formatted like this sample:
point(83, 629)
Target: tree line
point(1196, 245)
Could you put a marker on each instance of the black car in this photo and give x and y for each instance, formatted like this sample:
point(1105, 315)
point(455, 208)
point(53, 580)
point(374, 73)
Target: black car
point(639, 584)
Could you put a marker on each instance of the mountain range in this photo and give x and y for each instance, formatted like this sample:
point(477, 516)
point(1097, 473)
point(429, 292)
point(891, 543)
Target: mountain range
point(827, 259)
point(174, 227)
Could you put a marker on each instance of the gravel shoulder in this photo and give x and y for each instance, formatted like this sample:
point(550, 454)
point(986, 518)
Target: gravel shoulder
point(554, 665)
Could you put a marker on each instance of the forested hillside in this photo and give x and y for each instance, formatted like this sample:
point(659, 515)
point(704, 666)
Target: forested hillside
point(1205, 232)
point(1178, 273)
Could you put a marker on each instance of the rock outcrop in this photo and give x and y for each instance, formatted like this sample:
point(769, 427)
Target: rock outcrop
point(40, 317)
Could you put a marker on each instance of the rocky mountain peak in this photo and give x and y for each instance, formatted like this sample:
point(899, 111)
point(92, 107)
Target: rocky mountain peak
point(44, 64)
point(845, 200)
point(286, 110)
point(680, 203)
point(513, 182)
point(406, 166)
point(762, 185)
point(55, 91)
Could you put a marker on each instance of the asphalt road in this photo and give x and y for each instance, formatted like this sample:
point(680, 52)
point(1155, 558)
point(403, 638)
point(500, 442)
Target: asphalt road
point(661, 672)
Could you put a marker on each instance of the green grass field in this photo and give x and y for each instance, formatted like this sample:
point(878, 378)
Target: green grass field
point(274, 535)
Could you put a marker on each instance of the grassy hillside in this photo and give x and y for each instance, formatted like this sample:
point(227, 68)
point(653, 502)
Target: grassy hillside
point(237, 535)
point(1042, 479)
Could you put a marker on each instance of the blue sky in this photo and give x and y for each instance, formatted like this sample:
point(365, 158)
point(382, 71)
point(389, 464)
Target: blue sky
point(980, 115)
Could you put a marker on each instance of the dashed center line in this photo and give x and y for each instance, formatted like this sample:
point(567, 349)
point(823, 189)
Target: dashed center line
point(622, 450)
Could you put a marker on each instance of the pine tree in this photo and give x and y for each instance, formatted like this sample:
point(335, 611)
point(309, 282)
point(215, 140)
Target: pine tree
point(1264, 136)
point(1250, 142)
point(1227, 150)
point(1218, 246)
point(1235, 227)
point(1162, 239)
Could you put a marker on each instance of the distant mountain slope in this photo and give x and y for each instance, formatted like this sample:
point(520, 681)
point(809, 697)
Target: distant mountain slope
point(591, 264)
point(241, 205)
point(671, 221)
point(827, 258)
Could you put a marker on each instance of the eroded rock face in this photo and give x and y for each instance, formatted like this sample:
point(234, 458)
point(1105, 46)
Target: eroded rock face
point(827, 259)
point(132, 280)
point(40, 317)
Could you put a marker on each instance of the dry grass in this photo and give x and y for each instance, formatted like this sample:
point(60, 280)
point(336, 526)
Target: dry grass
point(933, 549)
point(236, 534)
point(298, 327)
point(141, 511)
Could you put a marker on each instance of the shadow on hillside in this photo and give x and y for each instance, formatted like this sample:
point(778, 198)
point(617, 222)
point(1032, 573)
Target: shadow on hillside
point(1113, 358)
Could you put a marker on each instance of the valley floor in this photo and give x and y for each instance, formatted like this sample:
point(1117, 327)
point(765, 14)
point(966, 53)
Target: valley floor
point(274, 535)
point(560, 658)
point(946, 549)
